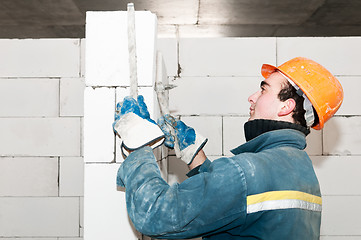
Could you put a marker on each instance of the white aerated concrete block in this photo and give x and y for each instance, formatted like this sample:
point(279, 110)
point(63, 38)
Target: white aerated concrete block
point(29, 97)
point(82, 57)
point(167, 31)
point(36, 238)
point(208, 127)
point(169, 49)
point(351, 88)
point(212, 158)
point(68, 239)
point(39, 58)
point(225, 56)
point(340, 237)
point(342, 136)
point(162, 153)
point(71, 176)
point(39, 217)
point(107, 62)
point(81, 212)
point(341, 215)
point(233, 133)
point(177, 170)
point(335, 172)
point(72, 97)
point(212, 95)
point(340, 55)
point(99, 137)
point(314, 142)
point(30, 176)
point(105, 214)
point(40, 137)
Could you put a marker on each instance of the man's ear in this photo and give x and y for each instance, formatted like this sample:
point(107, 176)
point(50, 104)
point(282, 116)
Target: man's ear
point(287, 107)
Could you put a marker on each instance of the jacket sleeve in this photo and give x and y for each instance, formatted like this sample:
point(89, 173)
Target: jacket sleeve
point(206, 203)
point(200, 168)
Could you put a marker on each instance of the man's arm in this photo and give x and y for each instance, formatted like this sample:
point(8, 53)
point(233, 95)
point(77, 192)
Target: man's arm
point(198, 160)
point(186, 210)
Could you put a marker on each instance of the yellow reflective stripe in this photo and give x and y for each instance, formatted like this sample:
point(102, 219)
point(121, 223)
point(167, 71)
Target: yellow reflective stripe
point(281, 195)
point(282, 200)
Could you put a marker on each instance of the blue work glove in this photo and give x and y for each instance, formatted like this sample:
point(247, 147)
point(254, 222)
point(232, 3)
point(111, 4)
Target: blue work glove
point(134, 126)
point(184, 139)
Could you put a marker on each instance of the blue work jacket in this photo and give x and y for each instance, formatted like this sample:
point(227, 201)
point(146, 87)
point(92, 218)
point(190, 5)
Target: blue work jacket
point(267, 190)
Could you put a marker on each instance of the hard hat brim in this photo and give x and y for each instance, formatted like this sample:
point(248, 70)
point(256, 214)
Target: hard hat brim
point(267, 70)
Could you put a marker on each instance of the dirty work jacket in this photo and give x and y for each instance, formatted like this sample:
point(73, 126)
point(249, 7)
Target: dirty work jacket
point(268, 190)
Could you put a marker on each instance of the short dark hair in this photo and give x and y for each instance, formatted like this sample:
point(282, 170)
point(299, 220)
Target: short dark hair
point(287, 92)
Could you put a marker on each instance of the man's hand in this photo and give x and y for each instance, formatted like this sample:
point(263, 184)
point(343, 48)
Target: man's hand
point(134, 125)
point(184, 139)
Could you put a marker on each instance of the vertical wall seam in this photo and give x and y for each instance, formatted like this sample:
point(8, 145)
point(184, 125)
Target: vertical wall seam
point(276, 51)
point(115, 136)
point(79, 206)
point(322, 142)
point(179, 69)
point(222, 136)
point(80, 58)
point(81, 122)
point(59, 97)
point(167, 162)
point(58, 176)
point(199, 11)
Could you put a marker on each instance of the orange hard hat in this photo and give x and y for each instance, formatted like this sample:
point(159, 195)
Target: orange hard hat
point(322, 88)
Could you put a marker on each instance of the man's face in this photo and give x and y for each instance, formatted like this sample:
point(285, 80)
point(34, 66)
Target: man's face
point(265, 103)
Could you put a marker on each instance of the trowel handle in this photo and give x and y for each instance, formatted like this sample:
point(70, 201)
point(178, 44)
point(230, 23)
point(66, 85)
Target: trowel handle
point(132, 52)
point(160, 88)
point(163, 102)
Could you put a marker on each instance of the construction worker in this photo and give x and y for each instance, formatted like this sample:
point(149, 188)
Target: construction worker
point(267, 190)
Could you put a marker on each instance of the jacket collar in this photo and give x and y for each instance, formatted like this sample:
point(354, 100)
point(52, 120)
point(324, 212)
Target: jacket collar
point(257, 127)
point(271, 139)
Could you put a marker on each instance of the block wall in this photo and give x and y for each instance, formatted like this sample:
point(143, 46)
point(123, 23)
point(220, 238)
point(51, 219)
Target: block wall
point(41, 118)
point(41, 114)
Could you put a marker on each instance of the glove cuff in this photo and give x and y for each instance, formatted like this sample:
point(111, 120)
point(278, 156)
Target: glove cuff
point(137, 132)
point(188, 154)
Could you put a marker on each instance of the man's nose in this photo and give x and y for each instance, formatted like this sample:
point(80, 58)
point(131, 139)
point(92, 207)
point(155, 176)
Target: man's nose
point(253, 98)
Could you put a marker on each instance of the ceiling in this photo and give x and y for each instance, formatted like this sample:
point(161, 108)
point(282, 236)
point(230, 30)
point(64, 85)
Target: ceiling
point(188, 18)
